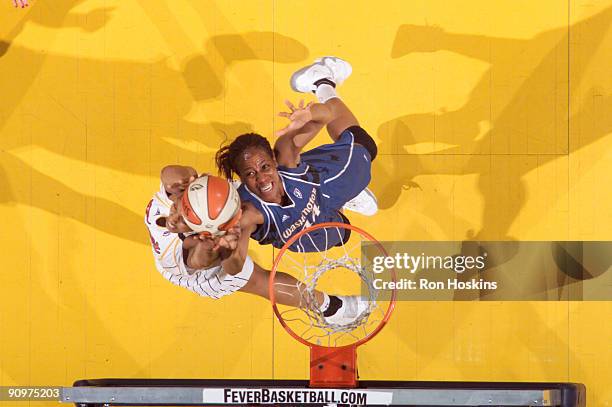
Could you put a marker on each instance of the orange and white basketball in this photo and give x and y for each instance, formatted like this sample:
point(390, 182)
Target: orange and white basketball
point(211, 205)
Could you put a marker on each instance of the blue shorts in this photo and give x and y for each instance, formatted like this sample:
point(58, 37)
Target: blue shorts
point(345, 168)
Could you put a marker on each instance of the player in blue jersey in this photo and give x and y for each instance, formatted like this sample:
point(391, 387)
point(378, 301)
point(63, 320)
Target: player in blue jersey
point(285, 190)
point(215, 267)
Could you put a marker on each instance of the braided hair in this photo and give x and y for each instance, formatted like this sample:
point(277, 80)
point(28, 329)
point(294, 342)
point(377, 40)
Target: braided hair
point(227, 156)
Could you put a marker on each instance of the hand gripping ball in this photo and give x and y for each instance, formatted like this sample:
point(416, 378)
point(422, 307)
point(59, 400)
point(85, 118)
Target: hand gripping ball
point(211, 205)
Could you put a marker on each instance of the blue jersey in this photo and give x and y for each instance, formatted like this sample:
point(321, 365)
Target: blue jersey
point(326, 178)
point(304, 209)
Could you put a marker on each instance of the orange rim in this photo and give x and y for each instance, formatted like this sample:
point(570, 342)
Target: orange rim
point(278, 258)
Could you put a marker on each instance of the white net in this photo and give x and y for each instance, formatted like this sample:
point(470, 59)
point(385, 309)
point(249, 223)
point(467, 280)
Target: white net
point(336, 271)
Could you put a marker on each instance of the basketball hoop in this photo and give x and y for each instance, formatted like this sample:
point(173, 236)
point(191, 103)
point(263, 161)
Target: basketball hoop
point(332, 345)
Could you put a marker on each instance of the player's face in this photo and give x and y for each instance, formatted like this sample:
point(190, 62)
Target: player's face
point(258, 171)
point(174, 221)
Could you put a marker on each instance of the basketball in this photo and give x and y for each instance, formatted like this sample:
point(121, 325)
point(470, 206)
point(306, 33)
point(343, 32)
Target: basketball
point(211, 205)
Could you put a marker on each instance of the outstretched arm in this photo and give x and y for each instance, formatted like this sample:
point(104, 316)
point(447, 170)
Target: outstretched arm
point(305, 124)
point(237, 246)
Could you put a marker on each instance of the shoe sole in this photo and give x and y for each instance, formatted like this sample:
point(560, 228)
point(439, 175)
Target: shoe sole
point(318, 61)
point(370, 213)
point(296, 75)
point(337, 61)
point(371, 195)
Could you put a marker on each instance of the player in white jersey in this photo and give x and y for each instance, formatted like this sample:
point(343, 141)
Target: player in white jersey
point(215, 268)
point(186, 260)
point(208, 268)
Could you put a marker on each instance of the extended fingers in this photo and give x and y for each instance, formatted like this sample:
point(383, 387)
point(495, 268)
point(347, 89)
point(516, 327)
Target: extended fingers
point(289, 105)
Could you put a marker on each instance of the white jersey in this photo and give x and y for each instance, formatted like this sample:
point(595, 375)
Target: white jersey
point(167, 249)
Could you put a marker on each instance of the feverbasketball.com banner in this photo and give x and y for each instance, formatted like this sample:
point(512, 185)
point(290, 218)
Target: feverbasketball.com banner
point(494, 271)
point(296, 395)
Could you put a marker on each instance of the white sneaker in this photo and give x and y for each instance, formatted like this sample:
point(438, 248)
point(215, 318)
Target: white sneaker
point(352, 308)
point(303, 79)
point(340, 69)
point(365, 203)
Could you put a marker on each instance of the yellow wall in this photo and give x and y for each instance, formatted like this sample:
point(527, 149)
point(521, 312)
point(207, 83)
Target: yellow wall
point(493, 121)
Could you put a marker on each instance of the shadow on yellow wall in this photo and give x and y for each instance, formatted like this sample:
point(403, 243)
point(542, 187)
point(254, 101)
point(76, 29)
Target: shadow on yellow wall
point(526, 114)
point(200, 80)
point(97, 141)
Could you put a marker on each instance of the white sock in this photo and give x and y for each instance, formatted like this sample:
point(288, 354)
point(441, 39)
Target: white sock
point(325, 92)
point(323, 307)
